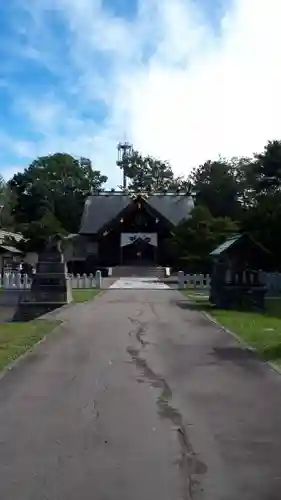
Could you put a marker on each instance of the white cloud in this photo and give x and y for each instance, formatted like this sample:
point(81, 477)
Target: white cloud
point(225, 100)
point(198, 94)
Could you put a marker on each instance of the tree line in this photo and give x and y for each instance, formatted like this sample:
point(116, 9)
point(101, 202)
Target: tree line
point(231, 195)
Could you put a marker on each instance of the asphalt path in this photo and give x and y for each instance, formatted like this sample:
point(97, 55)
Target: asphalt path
point(138, 397)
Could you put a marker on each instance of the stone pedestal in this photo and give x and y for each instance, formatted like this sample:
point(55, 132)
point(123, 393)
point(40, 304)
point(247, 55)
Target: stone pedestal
point(50, 288)
point(241, 298)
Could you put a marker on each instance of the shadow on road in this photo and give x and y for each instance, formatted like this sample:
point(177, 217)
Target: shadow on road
point(192, 306)
point(234, 353)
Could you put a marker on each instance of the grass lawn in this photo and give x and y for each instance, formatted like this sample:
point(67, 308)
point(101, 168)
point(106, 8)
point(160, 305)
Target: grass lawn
point(17, 338)
point(84, 294)
point(261, 331)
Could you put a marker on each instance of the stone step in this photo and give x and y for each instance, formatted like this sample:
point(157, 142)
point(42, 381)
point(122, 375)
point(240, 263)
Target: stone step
point(138, 271)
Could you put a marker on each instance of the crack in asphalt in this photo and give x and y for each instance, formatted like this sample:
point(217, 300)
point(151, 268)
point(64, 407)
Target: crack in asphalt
point(153, 310)
point(96, 412)
point(188, 463)
point(139, 331)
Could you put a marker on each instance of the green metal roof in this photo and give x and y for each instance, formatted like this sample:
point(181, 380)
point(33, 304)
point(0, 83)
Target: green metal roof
point(10, 249)
point(225, 245)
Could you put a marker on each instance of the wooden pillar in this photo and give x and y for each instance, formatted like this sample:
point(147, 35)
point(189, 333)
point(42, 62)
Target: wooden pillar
point(157, 250)
point(121, 253)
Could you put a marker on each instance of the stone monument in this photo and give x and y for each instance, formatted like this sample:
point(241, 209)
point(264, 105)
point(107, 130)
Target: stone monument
point(50, 288)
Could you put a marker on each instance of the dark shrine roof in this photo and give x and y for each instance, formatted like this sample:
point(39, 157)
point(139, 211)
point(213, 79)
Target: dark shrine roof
point(100, 209)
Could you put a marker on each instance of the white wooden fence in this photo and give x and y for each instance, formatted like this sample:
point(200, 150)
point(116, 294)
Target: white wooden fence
point(15, 281)
point(199, 281)
point(203, 281)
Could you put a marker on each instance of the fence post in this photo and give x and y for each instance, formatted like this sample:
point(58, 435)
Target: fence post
point(18, 281)
point(84, 281)
point(181, 280)
point(12, 280)
point(78, 280)
point(167, 272)
point(26, 281)
point(98, 279)
point(73, 280)
point(6, 280)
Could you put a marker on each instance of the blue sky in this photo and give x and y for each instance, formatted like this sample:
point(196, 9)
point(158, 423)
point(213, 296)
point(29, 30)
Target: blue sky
point(184, 80)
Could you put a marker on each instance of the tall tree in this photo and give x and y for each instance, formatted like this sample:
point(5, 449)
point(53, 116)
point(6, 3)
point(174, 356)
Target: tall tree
point(216, 188)
point(57, 184)
point(268, 168)
point(7, 203)
point(197, 236)
point(148, 173)
point(263, 221)
point(263, 216)
point(243, 170)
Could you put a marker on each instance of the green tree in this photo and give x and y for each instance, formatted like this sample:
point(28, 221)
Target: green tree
point(262, 218)
point(263, 222)
point(197, 236)
point(244, 171)
point(217, 188)
point(150, 174)
point(268, 168)
point(36, 233)
point(7, 203)
point(55, 187)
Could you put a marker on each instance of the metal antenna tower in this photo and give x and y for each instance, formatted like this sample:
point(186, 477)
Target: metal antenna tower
point(124, 151)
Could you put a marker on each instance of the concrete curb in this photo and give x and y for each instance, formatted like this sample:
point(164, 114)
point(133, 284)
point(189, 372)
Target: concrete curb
point(16, 362)
point(242, 342)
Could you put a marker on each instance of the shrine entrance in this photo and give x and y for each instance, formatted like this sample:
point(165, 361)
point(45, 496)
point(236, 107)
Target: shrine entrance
point(138, 249)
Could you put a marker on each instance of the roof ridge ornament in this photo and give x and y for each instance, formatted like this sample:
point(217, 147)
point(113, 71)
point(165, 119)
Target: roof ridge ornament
point(139, 195)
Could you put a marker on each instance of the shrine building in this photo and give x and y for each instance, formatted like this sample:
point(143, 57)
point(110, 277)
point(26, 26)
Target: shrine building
point(123, 228)
point(131, 229)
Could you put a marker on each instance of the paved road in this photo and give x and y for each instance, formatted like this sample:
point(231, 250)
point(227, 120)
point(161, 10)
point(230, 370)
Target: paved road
point(139, 398)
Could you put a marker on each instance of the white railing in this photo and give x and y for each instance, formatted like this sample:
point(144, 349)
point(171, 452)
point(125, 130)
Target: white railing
point(200, 281)
point(17, 281)
point(203, 281)
point(11, 281)
point(84, 281)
